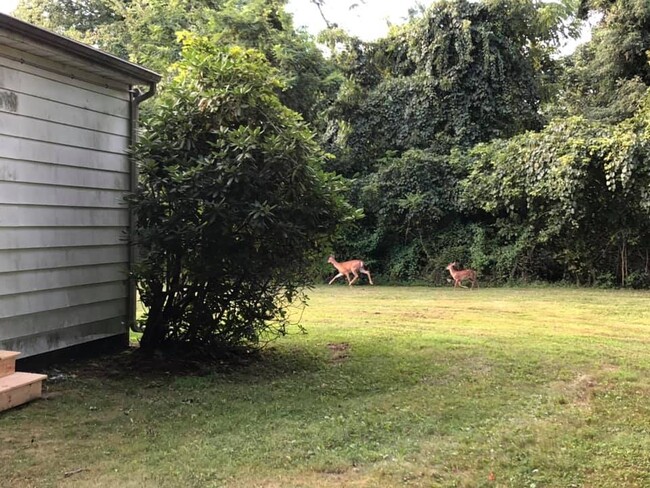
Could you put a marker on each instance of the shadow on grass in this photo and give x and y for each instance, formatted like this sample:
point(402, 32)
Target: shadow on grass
point(251, 364)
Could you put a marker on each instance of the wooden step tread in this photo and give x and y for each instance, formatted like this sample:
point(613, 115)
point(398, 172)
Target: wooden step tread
point(8, 362)
point(19, 379)
point(19, 388)
point(8, 355)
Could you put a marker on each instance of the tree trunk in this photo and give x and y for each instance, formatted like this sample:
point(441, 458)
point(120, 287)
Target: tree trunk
point(624, 263)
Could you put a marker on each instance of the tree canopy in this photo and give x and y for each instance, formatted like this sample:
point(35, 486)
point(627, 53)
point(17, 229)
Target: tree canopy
point(607, 78)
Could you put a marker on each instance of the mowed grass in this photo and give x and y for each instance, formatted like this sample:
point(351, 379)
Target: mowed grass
point(390, 386)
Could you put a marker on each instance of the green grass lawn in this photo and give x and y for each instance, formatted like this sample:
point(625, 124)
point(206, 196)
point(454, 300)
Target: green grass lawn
point(389, 387)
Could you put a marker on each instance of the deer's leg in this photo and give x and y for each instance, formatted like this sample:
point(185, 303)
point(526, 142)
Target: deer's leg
point(337, 276)
point(356, 277)
point(366, 272)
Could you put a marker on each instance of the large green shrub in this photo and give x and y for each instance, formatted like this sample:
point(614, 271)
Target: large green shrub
point(233, 206)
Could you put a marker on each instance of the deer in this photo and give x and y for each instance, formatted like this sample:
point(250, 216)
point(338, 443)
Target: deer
point(348, 268)
point(460, 275)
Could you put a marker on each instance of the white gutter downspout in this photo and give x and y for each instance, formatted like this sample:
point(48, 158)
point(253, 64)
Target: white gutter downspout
point(136, 99)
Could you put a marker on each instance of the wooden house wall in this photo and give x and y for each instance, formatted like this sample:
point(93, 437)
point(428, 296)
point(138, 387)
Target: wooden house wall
point(64, 172)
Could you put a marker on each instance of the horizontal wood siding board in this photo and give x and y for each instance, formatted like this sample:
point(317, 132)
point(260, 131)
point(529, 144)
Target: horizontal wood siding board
point(54, 111)
point(36, 194)
point(23, 78)
point(50, 320)
point(47, 152)
point(60, 338)
point(55, 174)
point(48, 216)
point(14, 125)
point(27, 238)
point(48, 300)
point(63, 257)
point(50, 279)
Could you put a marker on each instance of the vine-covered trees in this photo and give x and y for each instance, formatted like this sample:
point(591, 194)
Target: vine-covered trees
point(465, 72)
point(569, 202)
point(461, 74)
point(607, 78)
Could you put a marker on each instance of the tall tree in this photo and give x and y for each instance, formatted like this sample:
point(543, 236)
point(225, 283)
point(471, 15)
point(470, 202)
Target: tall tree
point(465, 72)
point(606, 79)
point(462, 73)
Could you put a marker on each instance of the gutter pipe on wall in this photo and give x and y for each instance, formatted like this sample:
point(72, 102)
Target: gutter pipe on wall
point(136, 99)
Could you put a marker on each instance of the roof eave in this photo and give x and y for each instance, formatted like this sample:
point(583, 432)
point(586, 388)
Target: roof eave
point(78, 49)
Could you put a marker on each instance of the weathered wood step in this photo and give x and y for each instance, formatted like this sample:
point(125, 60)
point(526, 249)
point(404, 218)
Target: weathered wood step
point(8, 362)
point(19, 388)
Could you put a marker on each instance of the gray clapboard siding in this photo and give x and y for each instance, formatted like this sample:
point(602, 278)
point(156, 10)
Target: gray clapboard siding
point(32, 194)
point(43, 301)
point(36, 323)
point(62, 337)
point(31, 238)
point(46, 152)
point(62, 257)
point(66, 122)
point(35, 107)
point(49, 279)
point(83, 72)
point(25, 79)
point(17, 125)
point(39, 216)
point(37, 172)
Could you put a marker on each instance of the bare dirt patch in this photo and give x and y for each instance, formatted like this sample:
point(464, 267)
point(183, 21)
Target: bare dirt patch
point(583, 389)
point(579, 392)
point(339, 351)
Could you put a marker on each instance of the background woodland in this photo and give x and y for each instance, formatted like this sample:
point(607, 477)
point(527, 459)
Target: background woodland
point(463, 135)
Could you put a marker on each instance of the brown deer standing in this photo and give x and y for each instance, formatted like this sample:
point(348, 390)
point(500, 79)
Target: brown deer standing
point(460, 275)
point(348, 268)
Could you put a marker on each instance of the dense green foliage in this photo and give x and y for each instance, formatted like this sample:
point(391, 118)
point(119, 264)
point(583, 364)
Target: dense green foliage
point(559, 202)
point(608, 77)
point(570, 202)
point(144, 31)
point(233, 208)
point(464, 73)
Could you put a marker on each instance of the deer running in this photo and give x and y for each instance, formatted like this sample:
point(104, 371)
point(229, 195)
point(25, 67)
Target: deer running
point(348, 268)
point(460, 275)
